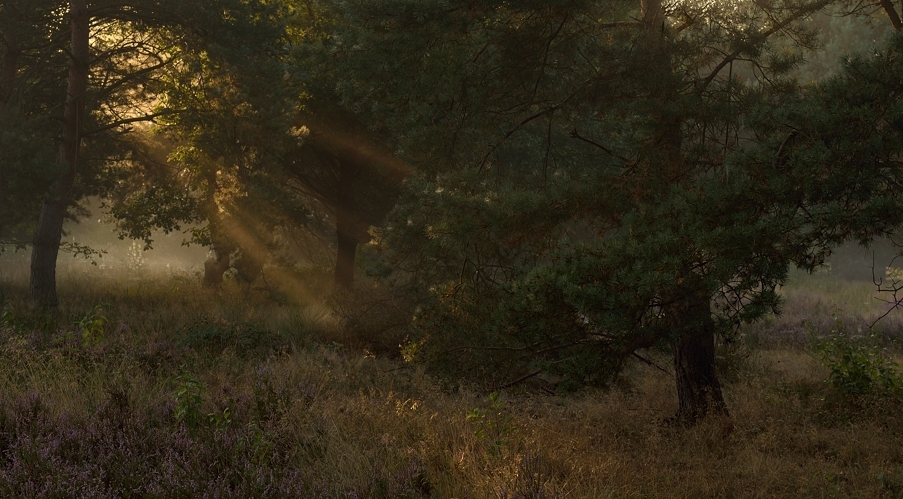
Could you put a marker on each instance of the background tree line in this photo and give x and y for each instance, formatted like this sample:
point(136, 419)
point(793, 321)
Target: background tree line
point(551, 188)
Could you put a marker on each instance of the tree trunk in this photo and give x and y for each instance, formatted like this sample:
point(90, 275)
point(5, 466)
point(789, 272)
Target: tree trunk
point(345, 226)
point(698, 389)
point(344, 263)
point(10, 66)
point(49, 231)
point(221, 244)
point(653, 13)
point(693, 347)
point(216, 266)
point(250, 263)
point(8, 70)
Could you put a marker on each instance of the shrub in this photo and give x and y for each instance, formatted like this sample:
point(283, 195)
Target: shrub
point(375, 317)
point(860, 366)
point(92, 326)
point(492, 426)
point(188, 401)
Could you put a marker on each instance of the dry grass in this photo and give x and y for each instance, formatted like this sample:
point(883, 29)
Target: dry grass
point(349, 424)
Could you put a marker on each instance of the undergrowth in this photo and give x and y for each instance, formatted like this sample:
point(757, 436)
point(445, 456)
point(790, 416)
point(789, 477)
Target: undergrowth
point(860, 366)
point(160, 388)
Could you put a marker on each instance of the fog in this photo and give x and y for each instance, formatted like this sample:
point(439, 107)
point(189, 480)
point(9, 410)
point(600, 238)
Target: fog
point(856, 263)
point(112, 255)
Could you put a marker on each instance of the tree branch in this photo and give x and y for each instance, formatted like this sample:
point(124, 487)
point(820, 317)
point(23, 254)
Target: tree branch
point(118, 123)
point(133, 76)
point(545, 56)
point(576, 135)
point(780, 157)
point(892, 14)
point(518, 380)
point(762, 37)
point(633, 24)
point(650, 363)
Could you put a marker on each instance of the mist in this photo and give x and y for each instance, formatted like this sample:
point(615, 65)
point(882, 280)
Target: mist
point(109, 254)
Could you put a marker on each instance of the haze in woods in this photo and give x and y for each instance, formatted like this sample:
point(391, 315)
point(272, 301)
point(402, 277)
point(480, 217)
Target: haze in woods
point(451, 248)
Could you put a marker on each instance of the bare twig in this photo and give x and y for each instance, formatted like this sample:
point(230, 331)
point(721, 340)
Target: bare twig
point(576, 135)
point(519, 380)
point(650, 363)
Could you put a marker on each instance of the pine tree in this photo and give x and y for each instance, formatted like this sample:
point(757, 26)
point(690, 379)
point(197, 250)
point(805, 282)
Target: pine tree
point(577, 198)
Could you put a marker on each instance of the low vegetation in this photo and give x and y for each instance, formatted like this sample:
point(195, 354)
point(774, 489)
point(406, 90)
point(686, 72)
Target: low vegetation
point(159, 388)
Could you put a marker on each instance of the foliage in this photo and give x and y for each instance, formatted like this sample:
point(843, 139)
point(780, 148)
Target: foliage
point(376, 316)
point(92, 326)
point(841, 36)
point(188, 401)
point(84, 336)
point(566, 210)
point(842, 154)
point(188, 409)
point(256, 442)
point(230, 127)
point(81, 250)
point(164, 77)
point(860, 366)
point(587, 176)
point(492, 426)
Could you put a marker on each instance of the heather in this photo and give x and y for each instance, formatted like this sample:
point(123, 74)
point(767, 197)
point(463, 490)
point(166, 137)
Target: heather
point(153, 386)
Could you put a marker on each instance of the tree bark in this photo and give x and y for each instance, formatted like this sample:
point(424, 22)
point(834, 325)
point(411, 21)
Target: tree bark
point(10, 66)
point(221, 245)
point(698, 390)
point(250, 263)
point(345, 226)
point(46, 243)
point(653, 13)
point(7, 82)
point(347, 249)
point(216, 266)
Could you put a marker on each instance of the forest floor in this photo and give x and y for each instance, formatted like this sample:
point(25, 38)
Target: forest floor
point(156, 387)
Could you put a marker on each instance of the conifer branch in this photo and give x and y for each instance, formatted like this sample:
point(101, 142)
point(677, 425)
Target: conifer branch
point(576, 135)
point(650, 363)
point(780, 157)
point(809, 9)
